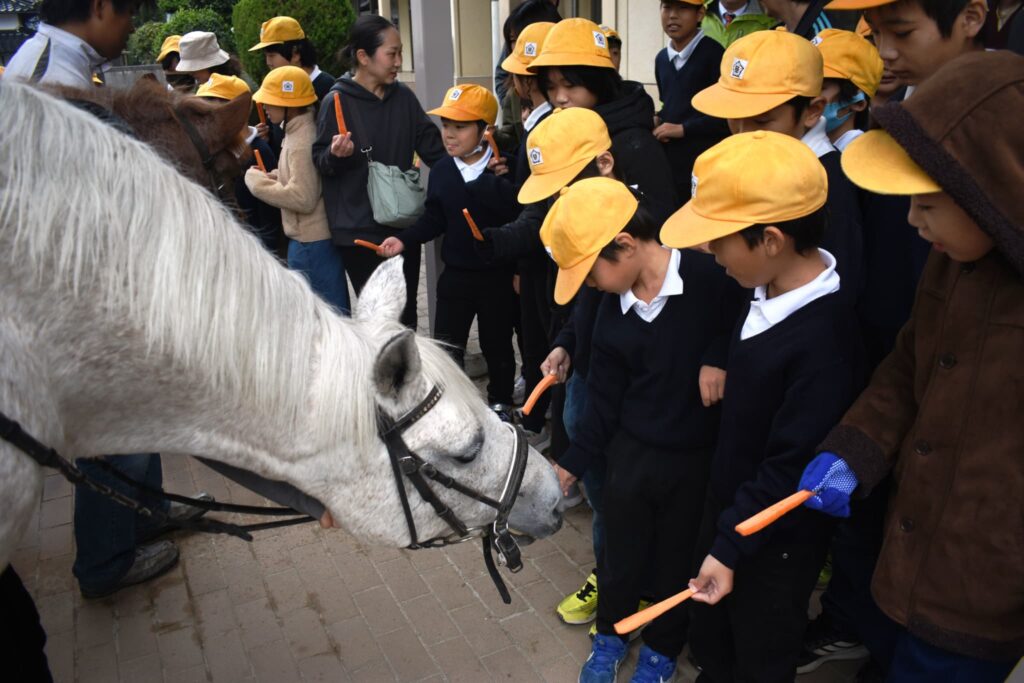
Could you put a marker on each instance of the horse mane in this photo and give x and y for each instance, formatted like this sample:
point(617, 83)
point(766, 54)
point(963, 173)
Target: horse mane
point(100, 215)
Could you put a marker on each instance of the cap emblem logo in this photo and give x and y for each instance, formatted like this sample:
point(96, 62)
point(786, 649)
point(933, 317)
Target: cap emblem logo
point(287, 86)
point(693, 186)
point(536, 158)
point(816, 40)
point(600, 40)
point(456, 94)
point(530, 50)
point(739, 67)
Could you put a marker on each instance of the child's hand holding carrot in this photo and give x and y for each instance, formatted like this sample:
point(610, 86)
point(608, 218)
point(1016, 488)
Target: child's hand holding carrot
point(713, 582)
point(557, 363)
point(392, 246)
point(263, 130)
point(342, 145)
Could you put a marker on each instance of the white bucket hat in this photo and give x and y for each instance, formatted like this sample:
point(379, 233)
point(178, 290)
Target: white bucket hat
point(199, 50)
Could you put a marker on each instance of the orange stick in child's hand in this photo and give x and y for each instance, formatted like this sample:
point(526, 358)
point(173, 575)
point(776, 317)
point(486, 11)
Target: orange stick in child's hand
point(645, 616)
point(262, 114)
point(489, 136)
point(338, 116)
point(541, 387)
point(477, 235)
point(368, 245)
point(259, 160)
point(770, 514)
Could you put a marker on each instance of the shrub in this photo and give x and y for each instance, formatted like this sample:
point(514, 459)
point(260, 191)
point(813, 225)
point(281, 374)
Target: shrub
point(326, 23)
point(144, 45)
point(206, 19)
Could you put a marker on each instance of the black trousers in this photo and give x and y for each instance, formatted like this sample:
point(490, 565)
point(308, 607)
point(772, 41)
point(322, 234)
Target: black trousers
point(535, 322)
point(486, 295)
point(360, 264)
point(755, 633)
point(22, 638)
point(653, 500)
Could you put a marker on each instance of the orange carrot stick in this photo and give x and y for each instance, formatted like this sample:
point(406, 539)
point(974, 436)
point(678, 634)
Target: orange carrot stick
point(259, 160)
point(262, 114)
point(477, 235)
point(772, 513)
point(541, 387)
point(489, 136)
point(368, 245)
point(338, 116)
point(644, 616)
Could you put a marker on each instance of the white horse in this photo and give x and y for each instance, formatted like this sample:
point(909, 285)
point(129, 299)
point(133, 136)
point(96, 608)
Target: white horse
point(136, 315)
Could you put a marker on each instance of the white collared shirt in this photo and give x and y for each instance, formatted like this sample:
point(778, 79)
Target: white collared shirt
point(471, 172)
point(678, 58)
point(766, 313)
point(535, 115)
point(252, 135)
point(846, 138)
point(817, 139)
point(315, 72)
point(672, 285)
point(56, 57)
point(734, 12)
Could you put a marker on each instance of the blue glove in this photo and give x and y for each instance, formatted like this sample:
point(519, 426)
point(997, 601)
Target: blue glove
point(832, 481)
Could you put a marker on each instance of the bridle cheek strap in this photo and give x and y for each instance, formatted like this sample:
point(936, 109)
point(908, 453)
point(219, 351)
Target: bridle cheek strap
point(405, 463)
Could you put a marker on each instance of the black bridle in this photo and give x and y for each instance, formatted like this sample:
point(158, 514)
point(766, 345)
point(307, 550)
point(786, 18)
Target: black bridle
point(219, 185)
point(404, 462)
point(495, 536)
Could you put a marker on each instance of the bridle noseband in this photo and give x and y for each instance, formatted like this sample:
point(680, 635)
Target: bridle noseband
point(407, 463)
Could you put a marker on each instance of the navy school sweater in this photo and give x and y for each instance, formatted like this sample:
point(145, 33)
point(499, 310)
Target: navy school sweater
point(676, 88)
point(490, 200)
point(643, 375)
point(785, 389)
point(844, 236)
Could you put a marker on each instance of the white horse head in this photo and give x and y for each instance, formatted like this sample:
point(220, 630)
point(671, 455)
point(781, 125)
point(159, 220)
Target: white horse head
point(136, 315)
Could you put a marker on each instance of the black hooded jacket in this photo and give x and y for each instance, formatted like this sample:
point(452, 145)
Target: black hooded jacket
point(394, 126)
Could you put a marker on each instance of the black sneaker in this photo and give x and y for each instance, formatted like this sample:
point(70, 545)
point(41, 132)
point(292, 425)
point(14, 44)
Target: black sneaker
point(823, 643)
point(505, 412)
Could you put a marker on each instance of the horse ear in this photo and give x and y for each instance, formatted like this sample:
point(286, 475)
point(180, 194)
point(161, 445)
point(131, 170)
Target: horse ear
point(231, 118)
point(397, 365)
point(383, 296)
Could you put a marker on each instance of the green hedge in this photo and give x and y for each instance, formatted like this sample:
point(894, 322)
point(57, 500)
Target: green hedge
point(204, 19)
point(326, 23)
point(144, 44)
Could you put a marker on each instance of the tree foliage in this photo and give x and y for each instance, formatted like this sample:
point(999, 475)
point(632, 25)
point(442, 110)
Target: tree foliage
point(325, 22)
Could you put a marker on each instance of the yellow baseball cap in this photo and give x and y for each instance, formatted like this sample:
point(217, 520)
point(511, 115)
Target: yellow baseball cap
point(581, 223)
point(223, 87)
point(850, 57)
point(468, 103)
point(278, 30)
point(169, 45)
point(609, 32)
point(528, 46)
point(857, 4)
point(759, 72)
point(863, 28)
point(559, 148)
point(747, 179)
point(286, 86)
point(574, 42)
point(876, 162)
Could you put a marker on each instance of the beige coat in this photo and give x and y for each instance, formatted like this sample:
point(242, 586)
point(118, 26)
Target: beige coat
point(296, 191)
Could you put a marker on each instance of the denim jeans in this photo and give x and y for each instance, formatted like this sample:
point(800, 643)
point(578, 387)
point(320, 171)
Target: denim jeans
point(105, 531)
point(915, 661)
point(320, 262)
point(593, 478)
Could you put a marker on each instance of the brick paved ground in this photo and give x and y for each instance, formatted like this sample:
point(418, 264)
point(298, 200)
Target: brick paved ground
point(302, 604)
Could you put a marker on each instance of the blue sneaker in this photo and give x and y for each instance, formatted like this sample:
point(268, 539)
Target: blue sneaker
point(653, 668)
point(606, 653)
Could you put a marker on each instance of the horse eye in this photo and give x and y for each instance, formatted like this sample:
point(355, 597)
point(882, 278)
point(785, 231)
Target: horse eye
point(470, 455)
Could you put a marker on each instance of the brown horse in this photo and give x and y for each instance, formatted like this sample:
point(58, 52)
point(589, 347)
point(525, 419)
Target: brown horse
point(203, 139)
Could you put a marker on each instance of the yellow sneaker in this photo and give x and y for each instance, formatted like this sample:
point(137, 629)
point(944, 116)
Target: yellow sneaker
point(581, 606)
point(644, 604)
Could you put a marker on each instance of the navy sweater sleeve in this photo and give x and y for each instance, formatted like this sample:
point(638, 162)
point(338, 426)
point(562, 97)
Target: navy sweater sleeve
point(433, 222)
point(517, 239)
point(844, 237)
